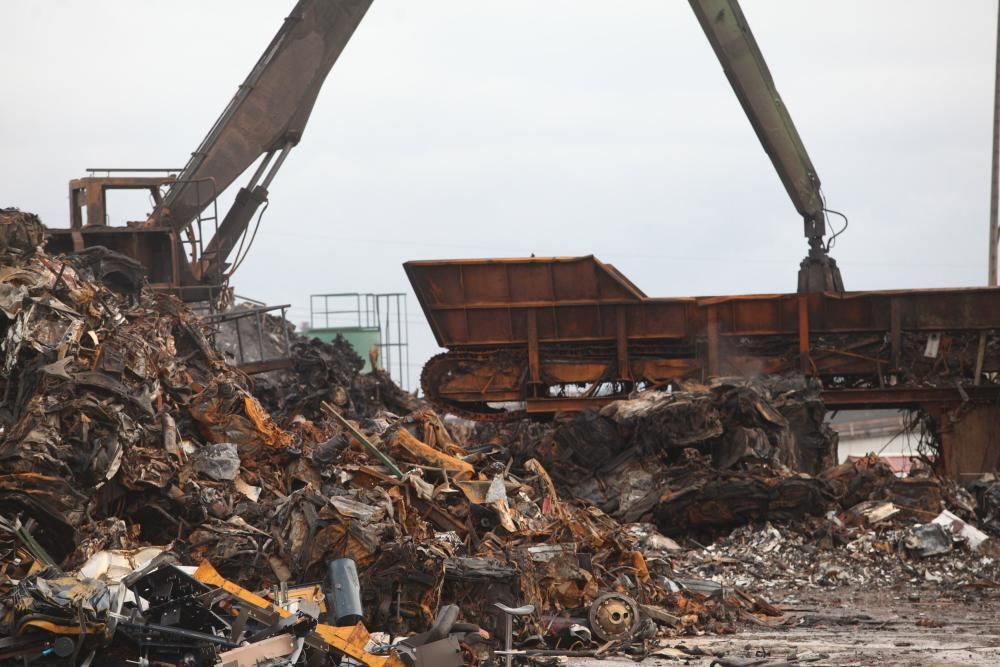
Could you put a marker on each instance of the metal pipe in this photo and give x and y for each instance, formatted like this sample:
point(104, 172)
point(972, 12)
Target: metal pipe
point(260, 170)
point(284, 331)
point(406, 330)
point(995, 171)
point(285, 150)
point(259, 320)
point(239, 341)
point(142, 170)
point(384, 458)
point(508, 639)
point(344, 592)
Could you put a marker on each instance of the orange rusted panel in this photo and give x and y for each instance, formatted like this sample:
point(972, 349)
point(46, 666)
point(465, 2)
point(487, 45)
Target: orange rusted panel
point(572, 331)
point(483, 302)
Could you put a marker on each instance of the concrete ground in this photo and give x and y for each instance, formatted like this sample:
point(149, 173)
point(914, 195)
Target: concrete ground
point(856, 629)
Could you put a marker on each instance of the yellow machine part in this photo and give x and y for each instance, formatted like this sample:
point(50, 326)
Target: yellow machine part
point(349, 641)
point(58, 629)
point(313, 593)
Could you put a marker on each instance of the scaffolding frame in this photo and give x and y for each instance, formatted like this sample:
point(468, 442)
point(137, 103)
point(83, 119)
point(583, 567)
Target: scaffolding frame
point(386, 312)
point(256, 310)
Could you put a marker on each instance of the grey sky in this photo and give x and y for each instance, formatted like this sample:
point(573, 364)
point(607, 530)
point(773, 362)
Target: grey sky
point(453, 128)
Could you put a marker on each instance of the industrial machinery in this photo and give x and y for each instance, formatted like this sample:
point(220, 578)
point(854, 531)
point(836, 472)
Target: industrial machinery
point(183, 245)
point(542, 335)
point(729, 34)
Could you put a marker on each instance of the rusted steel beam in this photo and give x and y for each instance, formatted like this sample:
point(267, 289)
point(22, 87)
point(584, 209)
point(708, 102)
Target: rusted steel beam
point(834, 399)
point(895, 331)
point(713, 341)
point(906, 397)
point(534, 368)
point(621, 340)
point(805, 364)
point(254, 367)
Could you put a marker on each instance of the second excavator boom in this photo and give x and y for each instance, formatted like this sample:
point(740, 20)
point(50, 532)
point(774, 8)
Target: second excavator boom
point(733, 42)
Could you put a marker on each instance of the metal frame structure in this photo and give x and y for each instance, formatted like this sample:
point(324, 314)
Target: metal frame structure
point(165, 252)
point(387, 312)
point(262, 363)
point(528, 330)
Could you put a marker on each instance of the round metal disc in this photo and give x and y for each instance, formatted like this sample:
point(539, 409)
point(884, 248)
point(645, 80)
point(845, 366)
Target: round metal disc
point(614, 617)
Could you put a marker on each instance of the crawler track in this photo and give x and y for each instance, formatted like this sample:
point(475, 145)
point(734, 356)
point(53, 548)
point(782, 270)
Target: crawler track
point(436, 370)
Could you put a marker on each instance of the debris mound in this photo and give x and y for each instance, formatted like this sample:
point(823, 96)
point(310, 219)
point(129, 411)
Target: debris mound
point(109, 393)
point(319, 371)
point(157, 503)
point(126, 433)
point(699, 457)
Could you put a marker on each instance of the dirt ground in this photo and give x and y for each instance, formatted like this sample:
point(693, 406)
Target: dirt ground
point(896, 628)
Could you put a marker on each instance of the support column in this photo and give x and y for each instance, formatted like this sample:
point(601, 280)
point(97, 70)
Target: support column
point(713, 341)
point(969, 435)
point(995, 172)
point(534, 363)
point(805, 363)
point(621, 338)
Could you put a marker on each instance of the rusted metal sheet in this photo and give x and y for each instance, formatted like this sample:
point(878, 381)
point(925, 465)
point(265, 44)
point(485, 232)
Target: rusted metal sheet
point(471, 303)
point(968, 435)
point(155, 248)
point(527, 330)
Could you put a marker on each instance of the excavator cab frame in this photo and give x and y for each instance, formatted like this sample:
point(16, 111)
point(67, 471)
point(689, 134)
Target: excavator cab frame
point(163, 251)
point(155, 247)
point(184, 244)
point(89, 194)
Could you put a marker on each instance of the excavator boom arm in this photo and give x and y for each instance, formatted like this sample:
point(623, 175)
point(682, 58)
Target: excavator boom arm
point(729, 34)
point(265, 118)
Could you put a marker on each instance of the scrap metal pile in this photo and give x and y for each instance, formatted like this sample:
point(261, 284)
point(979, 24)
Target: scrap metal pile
point(908, 537)
point(319, 371)
point(329, 372)
point(125, 430)
point(151, 507)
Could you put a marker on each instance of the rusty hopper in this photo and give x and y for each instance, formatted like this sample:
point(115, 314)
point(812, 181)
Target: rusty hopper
point(541, 335)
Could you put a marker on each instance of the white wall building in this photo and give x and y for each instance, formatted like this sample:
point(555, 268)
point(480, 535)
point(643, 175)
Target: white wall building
point(883, 432)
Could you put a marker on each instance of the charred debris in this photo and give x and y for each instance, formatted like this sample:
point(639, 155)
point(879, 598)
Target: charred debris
point(158, 505)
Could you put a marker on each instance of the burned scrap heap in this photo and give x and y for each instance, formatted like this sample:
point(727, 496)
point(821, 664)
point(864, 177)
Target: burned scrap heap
point(132, 453)
point(130, 448)
point(330, 372)
point(320, 371)
point(700, 456)
point(112, 397)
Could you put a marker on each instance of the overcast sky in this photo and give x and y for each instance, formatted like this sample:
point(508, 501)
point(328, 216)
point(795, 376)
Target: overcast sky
point(478, 128)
